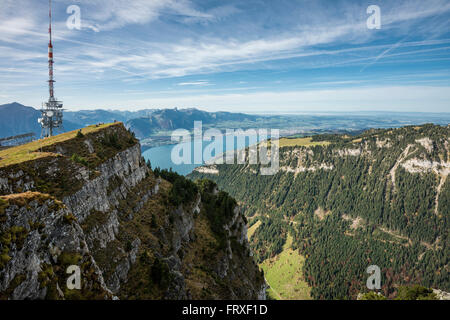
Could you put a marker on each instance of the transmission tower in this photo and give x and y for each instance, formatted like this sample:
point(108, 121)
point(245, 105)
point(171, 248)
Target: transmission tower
point(51, 111)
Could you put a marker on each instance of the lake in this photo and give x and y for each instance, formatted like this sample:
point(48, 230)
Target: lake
point(161, 156)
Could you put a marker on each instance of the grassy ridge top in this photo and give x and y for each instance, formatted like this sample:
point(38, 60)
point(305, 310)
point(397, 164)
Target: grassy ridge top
point(296, 142)
point(301, 142)
point(32, 150)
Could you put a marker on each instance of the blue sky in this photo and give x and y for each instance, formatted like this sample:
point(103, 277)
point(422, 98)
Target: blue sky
point(253, 56)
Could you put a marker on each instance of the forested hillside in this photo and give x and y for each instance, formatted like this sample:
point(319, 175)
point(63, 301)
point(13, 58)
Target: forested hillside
point(380, 198)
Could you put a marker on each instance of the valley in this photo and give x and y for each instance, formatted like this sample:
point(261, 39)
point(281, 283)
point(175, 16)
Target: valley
point(284, 275)
point(380, 197)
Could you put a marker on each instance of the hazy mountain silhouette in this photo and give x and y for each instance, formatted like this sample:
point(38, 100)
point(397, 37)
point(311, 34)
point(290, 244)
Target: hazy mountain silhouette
point(171, 119)
point(16, 118)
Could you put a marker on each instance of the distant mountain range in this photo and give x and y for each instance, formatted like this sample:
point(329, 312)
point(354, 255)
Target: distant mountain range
point(153, 126)
point(16, 118)
point(171, 119)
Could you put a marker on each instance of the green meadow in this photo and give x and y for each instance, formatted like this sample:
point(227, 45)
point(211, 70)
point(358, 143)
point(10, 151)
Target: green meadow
point(284, 275)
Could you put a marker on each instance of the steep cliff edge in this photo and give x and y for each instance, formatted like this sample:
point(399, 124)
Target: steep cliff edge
point(88, 199)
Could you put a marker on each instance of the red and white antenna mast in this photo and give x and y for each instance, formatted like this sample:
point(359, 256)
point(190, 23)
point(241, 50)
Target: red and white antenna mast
point(52, 112)
point(50, 53)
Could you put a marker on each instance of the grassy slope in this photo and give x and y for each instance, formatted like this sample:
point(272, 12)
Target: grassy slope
point(284, 274)
point(297, 142)
point(300, 142)
point(30, 151)
point(252, 229)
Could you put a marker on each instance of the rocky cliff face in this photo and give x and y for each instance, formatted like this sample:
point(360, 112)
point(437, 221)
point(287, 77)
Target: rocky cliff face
point(91, 201)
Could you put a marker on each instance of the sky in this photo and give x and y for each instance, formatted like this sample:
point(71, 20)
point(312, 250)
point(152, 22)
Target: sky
point(249, 56)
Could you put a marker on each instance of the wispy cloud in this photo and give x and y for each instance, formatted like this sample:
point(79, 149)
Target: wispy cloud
point(113, 14)
point(394, 98)
point(195, 83)
point(145, 43)
point(384, 53)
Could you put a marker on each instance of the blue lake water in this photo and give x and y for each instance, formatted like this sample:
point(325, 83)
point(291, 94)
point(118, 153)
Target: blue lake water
point(161, 156)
